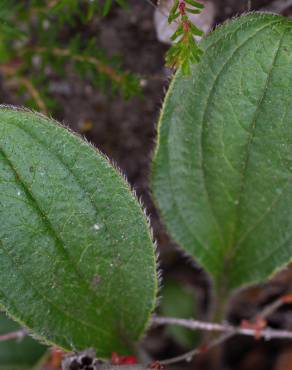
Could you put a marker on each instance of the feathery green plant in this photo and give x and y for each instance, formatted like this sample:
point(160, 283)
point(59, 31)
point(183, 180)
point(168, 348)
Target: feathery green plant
point(42, 38)
point(185, 50)
point(109, 3)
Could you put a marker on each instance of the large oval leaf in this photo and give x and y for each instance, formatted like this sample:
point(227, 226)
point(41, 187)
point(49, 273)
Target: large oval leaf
point(18, 354)
point(77, 263)
point(223, 166)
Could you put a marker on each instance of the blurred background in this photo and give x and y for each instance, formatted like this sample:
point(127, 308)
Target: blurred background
point(98, 67)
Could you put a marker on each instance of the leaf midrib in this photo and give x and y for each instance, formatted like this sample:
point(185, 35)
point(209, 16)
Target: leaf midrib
point(205, 111)
point(45, 298)
point(175, 201)
point(85, 191)
point(233, 247)
point(49, 226)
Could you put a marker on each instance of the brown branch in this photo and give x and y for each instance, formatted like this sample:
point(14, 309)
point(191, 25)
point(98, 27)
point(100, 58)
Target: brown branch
point(267, 333)
point(34, 94)
point(228, 331)
point(100, 66)
point(10, 71)
point(253, 329)
point(197, 351)
point(52, 3)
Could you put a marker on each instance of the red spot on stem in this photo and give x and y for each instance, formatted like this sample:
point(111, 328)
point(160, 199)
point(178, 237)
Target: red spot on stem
point(186, 26)
point(287, 298)
point(55, 359)
point(156, 365)
point(116, 359)
point(203, 348)
point(258, 325)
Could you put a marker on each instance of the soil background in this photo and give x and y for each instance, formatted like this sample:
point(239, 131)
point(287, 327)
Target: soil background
point(126, 131)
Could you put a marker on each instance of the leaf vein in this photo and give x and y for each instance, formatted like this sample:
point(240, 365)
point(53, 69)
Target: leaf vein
point(205, 112)
point(249, 143)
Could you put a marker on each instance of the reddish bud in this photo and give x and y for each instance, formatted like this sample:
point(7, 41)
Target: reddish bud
point(116, 359)
point(156, 365)
point(287, 298)
point(186, 26)
point(203, 348)
point(182, 7)
point(129, 360)
point(257, 326)
point(55, 359)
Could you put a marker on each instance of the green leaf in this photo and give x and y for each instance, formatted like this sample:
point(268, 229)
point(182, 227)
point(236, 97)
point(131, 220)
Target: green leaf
point(179, 301)
point(18, 354)
point(106, 7)
point(195, 30)
point(122, 4)
point(173, 13)
point(223, 166)
point(77, 263)
point(193, 11)
point(179, 31)
point(195, 4)
point(109, 4)
point(10, 30)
